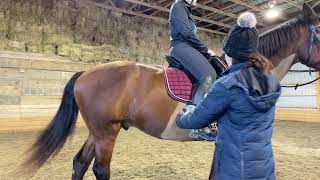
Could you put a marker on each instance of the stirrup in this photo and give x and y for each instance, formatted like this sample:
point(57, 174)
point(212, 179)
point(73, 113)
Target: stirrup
point(207, 133)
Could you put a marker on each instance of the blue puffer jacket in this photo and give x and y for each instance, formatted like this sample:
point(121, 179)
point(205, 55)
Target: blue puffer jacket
point(243, 102)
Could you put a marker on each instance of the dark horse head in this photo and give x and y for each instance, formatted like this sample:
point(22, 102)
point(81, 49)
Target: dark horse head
point(299, 36)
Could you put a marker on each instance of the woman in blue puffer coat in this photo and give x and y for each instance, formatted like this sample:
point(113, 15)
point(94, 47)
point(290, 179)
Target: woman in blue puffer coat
point(243, 101)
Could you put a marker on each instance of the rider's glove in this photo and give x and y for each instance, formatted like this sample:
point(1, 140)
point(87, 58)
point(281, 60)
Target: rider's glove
point(185, 110)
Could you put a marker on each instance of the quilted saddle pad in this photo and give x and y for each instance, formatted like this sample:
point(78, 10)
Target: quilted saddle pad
point(178, 84)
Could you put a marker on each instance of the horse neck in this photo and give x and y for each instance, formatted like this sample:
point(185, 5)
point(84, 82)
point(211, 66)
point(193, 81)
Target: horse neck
point(283, 66)
point(282, 44)
point(285, 58)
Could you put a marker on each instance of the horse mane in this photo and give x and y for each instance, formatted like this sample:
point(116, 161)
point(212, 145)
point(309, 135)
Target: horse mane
point(271, 41)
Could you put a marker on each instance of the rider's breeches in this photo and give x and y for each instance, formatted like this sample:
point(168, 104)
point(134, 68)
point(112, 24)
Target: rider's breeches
point(193, 61)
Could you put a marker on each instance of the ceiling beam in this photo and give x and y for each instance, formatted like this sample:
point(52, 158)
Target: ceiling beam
point(293, 3)
point(224, 8)
point(227, 7)
point(162, 20)
point(205, 3)
point(158, 3)
point(248, 5)
point(111, 2)
point(215, 10)
point(222, 12)
point(134, 7)
point(167, 10)
point(254, 7)
point(166, 6)
point(230, 15)
point(288, 5)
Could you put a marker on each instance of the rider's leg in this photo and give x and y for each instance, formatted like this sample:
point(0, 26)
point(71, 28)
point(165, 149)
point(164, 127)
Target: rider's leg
point(202, 89)
point(200, 68)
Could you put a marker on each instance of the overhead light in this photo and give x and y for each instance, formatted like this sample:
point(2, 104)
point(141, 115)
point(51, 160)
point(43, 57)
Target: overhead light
point(272, 13)
point(272, 3)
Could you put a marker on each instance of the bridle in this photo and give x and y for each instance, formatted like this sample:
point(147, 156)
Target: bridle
point(314, 37)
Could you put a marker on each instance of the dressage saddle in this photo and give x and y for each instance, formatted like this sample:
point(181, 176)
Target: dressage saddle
point(180, 83)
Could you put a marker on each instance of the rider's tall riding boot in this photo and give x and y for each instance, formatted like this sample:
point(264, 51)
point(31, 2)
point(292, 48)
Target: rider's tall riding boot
point(201, 92)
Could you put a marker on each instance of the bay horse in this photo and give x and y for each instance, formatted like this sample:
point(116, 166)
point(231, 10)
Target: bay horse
point(128, 94)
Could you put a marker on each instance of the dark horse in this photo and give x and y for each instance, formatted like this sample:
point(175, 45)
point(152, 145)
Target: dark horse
point(124, 94)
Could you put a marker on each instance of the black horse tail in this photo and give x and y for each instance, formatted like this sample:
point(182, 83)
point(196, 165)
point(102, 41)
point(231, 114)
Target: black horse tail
point(52, 139)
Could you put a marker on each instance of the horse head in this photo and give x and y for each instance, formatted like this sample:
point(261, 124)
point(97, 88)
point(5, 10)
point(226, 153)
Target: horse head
point(309, 51)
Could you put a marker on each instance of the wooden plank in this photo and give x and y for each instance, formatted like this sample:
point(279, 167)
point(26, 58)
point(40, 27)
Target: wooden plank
point(311, 89)
point(298, 95)
point(29, 125)
point(10, 87)
point(38, 111)
point(11, 73)
point(40, 100)
point(294, 4)
point(59, 66)
point(294, 78)
point(15, 63)
point(9, 82)
point(10, 90)
point(298, 102)
point(9, 100)
point(43, 74)
point(31, 56)
point(215, 10)
point(43, 87)
point(248, 5)
point(43, 65)
point(298, 115)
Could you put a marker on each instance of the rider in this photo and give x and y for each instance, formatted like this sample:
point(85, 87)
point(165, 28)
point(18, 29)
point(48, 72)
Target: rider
point(243, 101)
point(188, 49)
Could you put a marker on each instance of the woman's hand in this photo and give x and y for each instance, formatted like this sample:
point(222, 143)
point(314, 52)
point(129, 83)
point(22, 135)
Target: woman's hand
point(211, 53)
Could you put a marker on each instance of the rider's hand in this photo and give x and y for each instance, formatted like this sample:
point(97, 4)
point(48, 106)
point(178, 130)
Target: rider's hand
point(211, 53)
point(185, 110)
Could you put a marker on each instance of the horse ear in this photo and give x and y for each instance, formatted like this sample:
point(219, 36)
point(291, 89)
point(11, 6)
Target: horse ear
point(308, 13)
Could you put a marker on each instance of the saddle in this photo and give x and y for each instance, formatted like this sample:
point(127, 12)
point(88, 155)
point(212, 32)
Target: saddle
point(180, 84)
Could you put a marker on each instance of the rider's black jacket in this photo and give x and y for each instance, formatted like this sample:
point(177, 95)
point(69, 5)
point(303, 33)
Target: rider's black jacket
point(183, 28)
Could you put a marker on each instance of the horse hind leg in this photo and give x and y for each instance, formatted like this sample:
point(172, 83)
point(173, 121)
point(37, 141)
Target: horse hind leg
point(103, 152)
point(82, 160)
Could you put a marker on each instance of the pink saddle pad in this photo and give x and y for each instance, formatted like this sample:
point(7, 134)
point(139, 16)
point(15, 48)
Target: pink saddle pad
point(178, 84)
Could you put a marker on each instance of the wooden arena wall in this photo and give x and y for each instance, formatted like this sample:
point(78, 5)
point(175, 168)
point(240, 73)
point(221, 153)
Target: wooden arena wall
point(31, 86)
point(302, 104)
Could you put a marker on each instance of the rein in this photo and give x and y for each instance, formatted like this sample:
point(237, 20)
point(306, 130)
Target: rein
point(299, 85)
point(313, 37)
